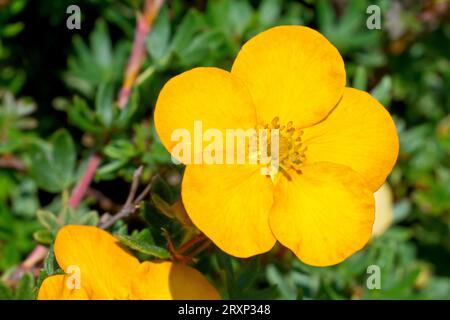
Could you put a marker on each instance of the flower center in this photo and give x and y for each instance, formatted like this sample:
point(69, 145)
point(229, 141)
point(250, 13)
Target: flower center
point(291, 149)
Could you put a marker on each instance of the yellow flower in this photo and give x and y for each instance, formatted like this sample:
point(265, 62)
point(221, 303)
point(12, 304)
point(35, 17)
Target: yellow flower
point(383, 210)
point(98, 267)
point(337, 146)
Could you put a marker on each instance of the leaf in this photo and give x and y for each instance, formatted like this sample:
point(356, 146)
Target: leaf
point(64, 157)
point(275, 277)
point(101, 44)
point(185, 32)
point(25, 288)
point(382, 92)
point(83, 117)
point(162, 206)
point(144, 235)
point(50, 262)
point(248, 275)
point(158, 41)
point(127, 113)
point(199, 48)
point(48, 220)
point(104, 104)
point(269, 11)
point(43, 171)
point(143, 247)
point(240, 15)
point(43, 237)
point(110, 168)
point(5, 292)
point(360, 78)
point(89, 218)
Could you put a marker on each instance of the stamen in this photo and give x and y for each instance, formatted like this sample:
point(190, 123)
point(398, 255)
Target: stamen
point(291, 155)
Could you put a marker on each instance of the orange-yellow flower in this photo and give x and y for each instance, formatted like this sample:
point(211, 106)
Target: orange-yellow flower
point(99, 268)
point(337, 146)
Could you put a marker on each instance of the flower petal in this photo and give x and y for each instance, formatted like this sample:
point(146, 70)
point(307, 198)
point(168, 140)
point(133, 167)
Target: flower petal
point(210, 95)
point(324, 214)
point(358, 133)
point(292, 72)
point(56, 288)
point(105, 268)
point(230, 204)
point(383, 210)
point(171, 281)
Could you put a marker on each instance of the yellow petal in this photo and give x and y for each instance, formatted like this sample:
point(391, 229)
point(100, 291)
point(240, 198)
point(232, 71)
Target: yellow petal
point(57, 288)
point(171, 281)
point(358, 133)
point(383, 210)
point(324, 214)
point(105, 268)
point(292, 72)
point(230, 204)
point(210, 95)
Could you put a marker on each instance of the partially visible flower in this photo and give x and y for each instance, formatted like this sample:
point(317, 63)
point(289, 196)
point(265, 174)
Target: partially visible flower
point(100, 269)
point(383, 210)
point(337, 145)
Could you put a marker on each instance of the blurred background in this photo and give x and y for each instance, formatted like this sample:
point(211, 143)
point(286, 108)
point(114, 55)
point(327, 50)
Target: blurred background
point(59, 90)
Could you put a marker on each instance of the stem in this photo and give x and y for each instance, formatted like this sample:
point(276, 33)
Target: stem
point(80, 189)
point(143, 26)
point(189, 244)
point(132, 202)
point(9, 162)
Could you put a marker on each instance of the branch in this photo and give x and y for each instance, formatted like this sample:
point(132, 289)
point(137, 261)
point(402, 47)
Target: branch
point(143, 26)
point(80, 190)
point(132, 203)
point(9, 162)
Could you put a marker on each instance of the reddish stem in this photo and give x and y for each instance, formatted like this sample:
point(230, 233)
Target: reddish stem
point(80, 189)
point(143, 27)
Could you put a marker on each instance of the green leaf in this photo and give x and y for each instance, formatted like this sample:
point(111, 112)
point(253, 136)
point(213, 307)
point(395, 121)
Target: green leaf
point(127, 113)
point(200, 46)
point(248, 275)
point(162, 206)
point(43, 171)
point(88, 219)
point(269, 12)
point(109, 168)
point(50, 262)
point(382, 92)
point(5, 292)
point(48, 220)
point(83, 117)
point(43, 237)
point(360, 78)
point(218, 15)
point(190, 24)
point(25, 288)
point(145, 236)
point(101, 44)
point(143, 247)
point(325, 15)
point(64, 157)
point(240, 16)
point(158, 41)
point(104, 104)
